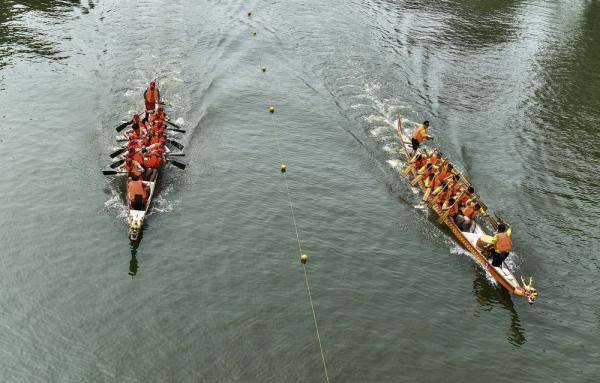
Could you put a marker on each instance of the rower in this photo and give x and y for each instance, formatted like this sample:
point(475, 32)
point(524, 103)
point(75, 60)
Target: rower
point(151, 98)
point(466, 218)
point(442, 174)
point(452, 207)
point(441, 193)
point(499, 245)
point(133, 167)
point(152, 162)
point(138, 196)
point(134, 153)
point(137, 133)
point(420, 135)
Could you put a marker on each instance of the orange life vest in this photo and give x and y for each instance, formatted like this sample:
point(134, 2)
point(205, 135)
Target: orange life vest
point(136, 135)
point(132, 168)
point(453, 210)
point(469, 211)
point(138, 157)
point(153, 161)
point(503, 243)
point(135, 188)
point(156, 139)
point(420, 133)
point(151, 96)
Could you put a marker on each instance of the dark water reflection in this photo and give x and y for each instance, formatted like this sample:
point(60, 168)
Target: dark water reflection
point(490, 296)
point(20, 34)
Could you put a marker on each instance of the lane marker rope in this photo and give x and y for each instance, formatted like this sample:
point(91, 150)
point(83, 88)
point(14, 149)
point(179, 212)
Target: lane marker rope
point(303, 258)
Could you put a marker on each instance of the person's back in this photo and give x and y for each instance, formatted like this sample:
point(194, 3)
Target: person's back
point(137, 193)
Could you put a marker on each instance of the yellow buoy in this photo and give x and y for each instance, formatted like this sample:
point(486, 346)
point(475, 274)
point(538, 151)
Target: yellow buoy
point(264, 69)
point(283, 168)
point(271, 109)
point(253, 33)
point(303, 258)
point(249, 13)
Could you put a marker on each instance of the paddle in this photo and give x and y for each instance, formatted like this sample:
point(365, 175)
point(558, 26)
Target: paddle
point(176, 144)
point(445, 215)
point(117, 164)
point(118, 152)
point(112, 172)
point(174, 124)
point(177, 130)
point(178, 164)
point(176, 155)
point(123, 125)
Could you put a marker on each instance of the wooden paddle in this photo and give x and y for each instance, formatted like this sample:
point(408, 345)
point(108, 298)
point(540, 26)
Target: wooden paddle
point(178, 164)
point(445, 214)
point(112, 172)
point(118, 152)
point(123, 125)
point(176, 144)
point(176, 130)
point(117, 164)
point(175, 125)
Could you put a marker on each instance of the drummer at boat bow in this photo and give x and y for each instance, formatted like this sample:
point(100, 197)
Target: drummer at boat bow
point(499, 245)
point(420, 135)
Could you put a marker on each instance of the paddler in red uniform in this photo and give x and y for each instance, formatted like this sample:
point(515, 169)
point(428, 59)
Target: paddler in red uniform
point(451, 207)
point(420, 135)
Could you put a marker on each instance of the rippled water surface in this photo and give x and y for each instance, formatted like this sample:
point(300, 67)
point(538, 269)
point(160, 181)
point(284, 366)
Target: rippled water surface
point(214, 291)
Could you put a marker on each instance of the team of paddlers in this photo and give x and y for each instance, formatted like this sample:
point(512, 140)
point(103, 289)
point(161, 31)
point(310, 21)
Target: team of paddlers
point(447, 188)
point(146, 147)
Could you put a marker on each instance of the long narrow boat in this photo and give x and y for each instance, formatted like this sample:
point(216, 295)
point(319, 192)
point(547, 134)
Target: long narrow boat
point(503, 275)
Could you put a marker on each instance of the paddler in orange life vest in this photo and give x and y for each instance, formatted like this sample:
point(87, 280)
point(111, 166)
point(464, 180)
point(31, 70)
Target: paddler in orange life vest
point(133, 167)
point(152, 162)
point(420, 135)
point(499, 245)
point(138, 196)
point(151, 98)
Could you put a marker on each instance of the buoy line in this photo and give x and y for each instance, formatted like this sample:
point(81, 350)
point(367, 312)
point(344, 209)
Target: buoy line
point(303, 257)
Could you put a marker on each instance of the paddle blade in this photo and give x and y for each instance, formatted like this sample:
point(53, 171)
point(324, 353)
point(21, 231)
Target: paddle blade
point(122, 126)
point(177, 130)
point(110, 172)
point(176, 144)
point(406, 170)
point(178, 164)
point(118, 152)
point(176, 154)
point(174, 124)
point(117, 164)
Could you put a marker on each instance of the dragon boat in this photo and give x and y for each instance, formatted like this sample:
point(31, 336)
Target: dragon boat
point(502, 274)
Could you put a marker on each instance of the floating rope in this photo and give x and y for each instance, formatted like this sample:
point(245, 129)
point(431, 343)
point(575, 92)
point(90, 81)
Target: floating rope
point(303, 257)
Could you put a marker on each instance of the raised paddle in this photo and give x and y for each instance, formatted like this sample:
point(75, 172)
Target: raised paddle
point(118, 152)
point(117, 164)
point(174, 124)
point(178, 164)
point(112, 172)
point(176, 144)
